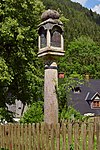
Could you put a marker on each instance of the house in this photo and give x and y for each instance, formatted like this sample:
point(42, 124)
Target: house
point(85, 98)
point(18, 109)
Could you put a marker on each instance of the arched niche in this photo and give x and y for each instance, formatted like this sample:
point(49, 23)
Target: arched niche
point(56, 34)
point(42, 37)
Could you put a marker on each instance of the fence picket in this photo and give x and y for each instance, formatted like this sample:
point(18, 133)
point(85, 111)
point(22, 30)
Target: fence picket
point(58, 136)
point(83, 136)
point(70, 137)
point(11, 137)
point(90, 136)
point(42, 136)
point(52, 137)
point(6, 137)
point(76, 136)
point(64, 136)
point(34, 136)
point(22, 136)
point(48, 137)
point(15, 139)
point(98, 136)
point(38, 136)
point(19, 137)
point(15, 136)
point(0, 136)
point(3, 135)
point(26, 137)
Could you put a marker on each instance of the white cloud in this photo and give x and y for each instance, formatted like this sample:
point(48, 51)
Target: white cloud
point(82, 2)
point(96, 9)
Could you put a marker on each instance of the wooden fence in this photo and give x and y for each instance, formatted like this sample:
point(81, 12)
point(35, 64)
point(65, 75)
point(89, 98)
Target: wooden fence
point(63, 136)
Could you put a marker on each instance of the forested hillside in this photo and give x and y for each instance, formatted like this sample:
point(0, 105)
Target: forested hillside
point(81, 36)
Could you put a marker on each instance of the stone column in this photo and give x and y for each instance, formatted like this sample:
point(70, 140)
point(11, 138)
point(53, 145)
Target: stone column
point(51, 46)
point(50, 95)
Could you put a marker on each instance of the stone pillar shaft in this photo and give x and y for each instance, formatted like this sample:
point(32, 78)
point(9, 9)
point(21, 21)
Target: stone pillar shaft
point(50, 95)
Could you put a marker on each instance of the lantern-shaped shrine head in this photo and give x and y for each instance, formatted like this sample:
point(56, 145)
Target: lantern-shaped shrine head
point(50, 35)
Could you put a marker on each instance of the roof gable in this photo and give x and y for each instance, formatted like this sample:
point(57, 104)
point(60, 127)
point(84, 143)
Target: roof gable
point(96, 96)
point(91, 96)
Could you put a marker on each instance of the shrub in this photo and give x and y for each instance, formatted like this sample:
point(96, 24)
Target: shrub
point(34, 113)
point(71, 114)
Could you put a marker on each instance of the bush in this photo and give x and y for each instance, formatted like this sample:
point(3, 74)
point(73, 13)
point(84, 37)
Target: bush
point(5, 115)
point(34, 114)
point(71, 114)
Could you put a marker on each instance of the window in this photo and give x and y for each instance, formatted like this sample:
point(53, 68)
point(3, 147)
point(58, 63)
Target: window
point(77, 90)
point(19, 107)
point(96, 104)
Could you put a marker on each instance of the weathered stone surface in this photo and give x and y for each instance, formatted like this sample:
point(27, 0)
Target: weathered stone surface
point(50, 14)
point(50, 95)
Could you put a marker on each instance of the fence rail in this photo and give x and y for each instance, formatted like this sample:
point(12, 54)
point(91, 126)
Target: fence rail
point(62, 136)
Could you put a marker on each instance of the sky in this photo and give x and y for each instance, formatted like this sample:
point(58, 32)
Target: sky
point(94, 5)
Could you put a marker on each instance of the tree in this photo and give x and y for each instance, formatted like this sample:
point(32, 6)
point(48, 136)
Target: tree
point(63, 92)
point(82, 56)
point(20, 73)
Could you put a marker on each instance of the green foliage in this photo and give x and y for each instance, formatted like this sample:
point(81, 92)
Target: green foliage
point(5, 77)
point(5, 115)
point(20, 71)
point(82, 56)
point(34, 114)
point(71, 114)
